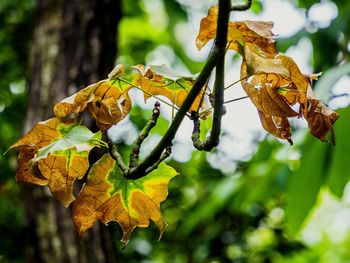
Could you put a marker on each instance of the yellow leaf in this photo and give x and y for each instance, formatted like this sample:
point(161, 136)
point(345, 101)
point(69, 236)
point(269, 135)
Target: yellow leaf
point(56, 169)
point(109, 105)
point(160, 80)
point(75, 103)
point(109, 196)
point(61, 171)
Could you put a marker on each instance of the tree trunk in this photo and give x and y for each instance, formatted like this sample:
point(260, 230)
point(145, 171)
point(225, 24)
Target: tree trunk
point(74, 45)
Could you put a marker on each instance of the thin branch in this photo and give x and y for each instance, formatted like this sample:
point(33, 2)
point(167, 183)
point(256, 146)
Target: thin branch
point(135, 148)
point(218, 100)
point(219, 86)
point(164, 155)
point(243, 7)
point(217, 53)
point(117, 157)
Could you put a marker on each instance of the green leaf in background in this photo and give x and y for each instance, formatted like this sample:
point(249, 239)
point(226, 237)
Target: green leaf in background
point(339, 172)
point(305, 183)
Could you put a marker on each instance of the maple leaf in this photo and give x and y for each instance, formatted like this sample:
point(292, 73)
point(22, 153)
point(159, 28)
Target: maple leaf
point(160, 80)
point(109, 196)
point(248, 32)
point(107, 101)
point(55, 153)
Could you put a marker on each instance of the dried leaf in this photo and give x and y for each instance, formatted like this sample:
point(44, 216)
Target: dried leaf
point(277, 126)
point(61, 170)
point(160, 80)
point(55, 153)
point(320, 118)
point(107, 100)
point(243, 32)
point(109, 196)
point(75, 103)
point(264, 91)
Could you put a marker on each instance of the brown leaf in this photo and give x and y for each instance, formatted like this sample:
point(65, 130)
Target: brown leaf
point(109, 106)
point(244, 32)
point(58, 169)
point(26, 172)
point(75, 103)
point(320, 118)
point(277, 126)
point(61, 171)
point(263, 90)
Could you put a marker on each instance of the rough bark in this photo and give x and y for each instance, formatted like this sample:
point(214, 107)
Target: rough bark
point(74, 44)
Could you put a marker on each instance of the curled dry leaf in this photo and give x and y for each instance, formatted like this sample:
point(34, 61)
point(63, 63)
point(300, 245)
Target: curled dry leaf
point(249, 32)
point(160, 80)
point(109, 196)
point(53, 154)
point(107, 100)
point(276, 84)
point(75, 103)
point(111, 103)
point(320, 118)
point(264, 91)
point(277, 126)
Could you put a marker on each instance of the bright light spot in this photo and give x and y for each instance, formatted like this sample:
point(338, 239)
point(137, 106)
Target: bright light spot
point(341, 91)
point(323, 13)
point(302, 54)
point(2, 107)
point(287, 18)
point(156, 13)
point(17, 88)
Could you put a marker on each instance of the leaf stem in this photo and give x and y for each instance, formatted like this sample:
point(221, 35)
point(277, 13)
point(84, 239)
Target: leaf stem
point(152, 95)
point(234, 83)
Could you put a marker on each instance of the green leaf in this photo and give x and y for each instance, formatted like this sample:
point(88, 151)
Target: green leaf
point(324, 86)
point(339, 173)
point(305, 183)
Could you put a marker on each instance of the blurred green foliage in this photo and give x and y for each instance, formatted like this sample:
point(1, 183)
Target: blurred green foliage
point(251, 215)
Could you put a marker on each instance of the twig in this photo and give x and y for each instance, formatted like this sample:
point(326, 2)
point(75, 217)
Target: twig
point(243, 7)
point(117, 157)
point(164, 155)
point(135, 148)
point(219, 86)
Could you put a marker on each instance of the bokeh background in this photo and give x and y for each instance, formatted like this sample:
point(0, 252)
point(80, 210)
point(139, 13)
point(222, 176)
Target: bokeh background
point(253, 199)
